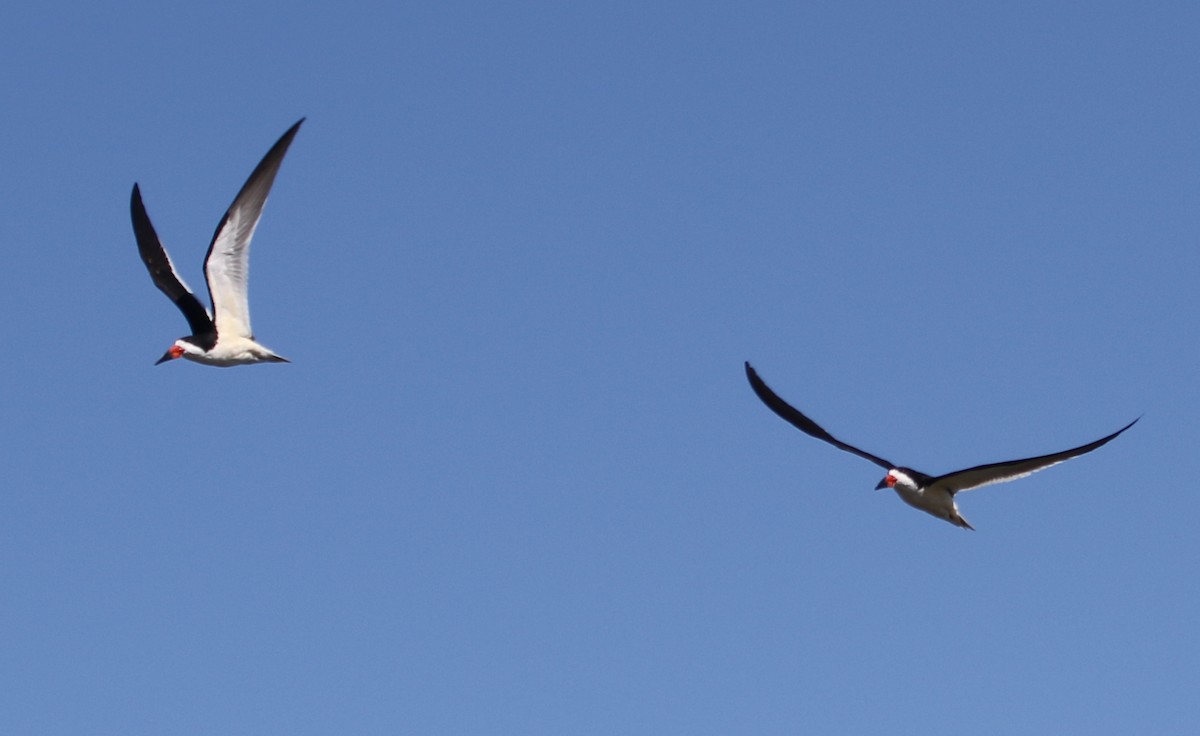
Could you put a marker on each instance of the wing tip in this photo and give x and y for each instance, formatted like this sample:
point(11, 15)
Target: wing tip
point(290, 133)
point(751, 374)
point(1120, 431)
point(764, 392)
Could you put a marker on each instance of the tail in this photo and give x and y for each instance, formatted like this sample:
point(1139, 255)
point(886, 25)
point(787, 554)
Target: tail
point(957, 519)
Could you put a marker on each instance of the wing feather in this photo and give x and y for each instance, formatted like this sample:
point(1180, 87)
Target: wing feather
point(986, 475)
point(227, 265)
point(803, 423)
point(162, 271)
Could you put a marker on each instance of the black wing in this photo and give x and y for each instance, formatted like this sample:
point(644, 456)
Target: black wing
point(162, 272)
point(803, 423)
point(983, 475)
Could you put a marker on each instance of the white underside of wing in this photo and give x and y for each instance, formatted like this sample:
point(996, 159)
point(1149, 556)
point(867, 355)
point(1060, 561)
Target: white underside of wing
point(986, 475)
point(972, 479)
point(228, 272)
point(228, 264)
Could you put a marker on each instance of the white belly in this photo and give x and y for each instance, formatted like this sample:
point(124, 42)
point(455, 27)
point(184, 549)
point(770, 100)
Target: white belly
point(933, 501)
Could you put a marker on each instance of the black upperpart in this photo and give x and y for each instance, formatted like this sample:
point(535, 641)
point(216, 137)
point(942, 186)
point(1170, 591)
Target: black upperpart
point(205, 342)
point(797, 419)
point(161, 272)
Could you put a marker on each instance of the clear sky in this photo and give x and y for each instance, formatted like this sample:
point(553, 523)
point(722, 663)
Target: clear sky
point(514, 481)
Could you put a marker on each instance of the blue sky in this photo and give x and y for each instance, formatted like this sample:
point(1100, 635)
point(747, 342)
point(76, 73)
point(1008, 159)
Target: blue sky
point(514, 480)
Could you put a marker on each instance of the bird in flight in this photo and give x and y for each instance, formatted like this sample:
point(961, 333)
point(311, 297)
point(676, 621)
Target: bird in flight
point(931, 494)
point(223, 337)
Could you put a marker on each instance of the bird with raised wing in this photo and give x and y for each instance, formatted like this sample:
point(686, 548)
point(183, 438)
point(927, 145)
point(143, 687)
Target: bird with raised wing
point(223, 337)
point(932, 494)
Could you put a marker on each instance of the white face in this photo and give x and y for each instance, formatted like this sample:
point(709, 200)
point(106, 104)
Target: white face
point(187, 348)
point(181, 349)
point(901, 479)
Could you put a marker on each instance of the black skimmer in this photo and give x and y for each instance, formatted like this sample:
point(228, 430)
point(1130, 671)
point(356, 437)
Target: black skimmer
point(223, 338)
point(931, 494)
